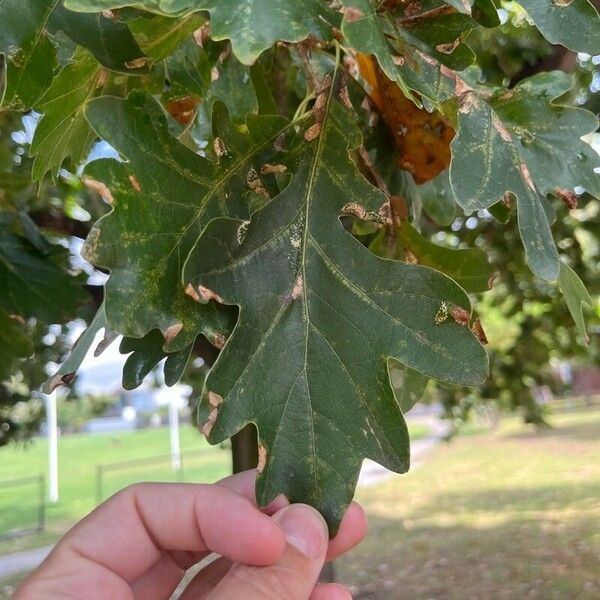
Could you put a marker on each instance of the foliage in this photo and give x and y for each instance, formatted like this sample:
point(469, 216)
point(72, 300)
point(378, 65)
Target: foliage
point(278, 180)
point(74, 413)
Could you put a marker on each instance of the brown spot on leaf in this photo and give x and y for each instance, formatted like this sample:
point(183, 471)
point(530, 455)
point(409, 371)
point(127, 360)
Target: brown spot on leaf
point(262, 459)
point(345, 97)
point(313, 132)
point(568, 197)
point(501, 129)
point(385, 212)
point(467, 101)
point(255, 184)
point(202, 35)
point(411, 259)
point(242, 231)
point(353, 14)
point(270, 169)
point(219, 147)
point(218, 340)
point(67, 379)
point(102, 78)
point(399, 207)
point(214, 399)
point(526, 175)
point(355, 209)
point(206, 295)
point(461, 87)
point(298, 288)
point(448, 48)
point(192, 293)
point(442, 314)
point(137, 63)
point(320, 103)
point(98, 187)
point(135, 184)
point(212, 419)
point(460, 315)
point(171, 332)
point(477, 329)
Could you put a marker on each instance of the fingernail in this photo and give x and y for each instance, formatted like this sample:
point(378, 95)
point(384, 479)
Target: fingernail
point(304, 528)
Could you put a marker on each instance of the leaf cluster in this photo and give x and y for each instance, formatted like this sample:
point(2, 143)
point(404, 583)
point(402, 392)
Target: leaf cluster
point(276, 175)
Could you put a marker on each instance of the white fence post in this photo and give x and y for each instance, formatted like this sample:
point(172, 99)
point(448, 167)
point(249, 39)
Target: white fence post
point(174, 434)
point(52, 435)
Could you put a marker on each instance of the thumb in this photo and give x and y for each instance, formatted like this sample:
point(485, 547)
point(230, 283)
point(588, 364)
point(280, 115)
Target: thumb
point(295, 574)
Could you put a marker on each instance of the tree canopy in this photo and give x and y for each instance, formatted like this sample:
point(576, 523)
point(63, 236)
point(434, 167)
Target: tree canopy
point(335, 198)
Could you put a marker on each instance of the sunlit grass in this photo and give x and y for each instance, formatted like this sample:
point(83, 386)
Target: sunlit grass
point(513, 513)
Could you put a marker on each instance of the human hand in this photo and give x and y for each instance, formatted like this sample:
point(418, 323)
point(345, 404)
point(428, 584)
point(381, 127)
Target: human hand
point(140, 542)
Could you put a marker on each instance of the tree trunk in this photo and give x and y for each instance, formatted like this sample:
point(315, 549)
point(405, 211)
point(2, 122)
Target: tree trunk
point(244, 449)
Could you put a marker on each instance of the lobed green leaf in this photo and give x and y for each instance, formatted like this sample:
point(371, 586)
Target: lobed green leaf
point(319, 317)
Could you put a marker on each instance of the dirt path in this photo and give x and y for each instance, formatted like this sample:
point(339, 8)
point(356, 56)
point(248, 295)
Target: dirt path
point(20, 562)
point(373, 473)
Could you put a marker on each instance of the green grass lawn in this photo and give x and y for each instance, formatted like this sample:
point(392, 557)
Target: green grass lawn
point(79, 456)
point(9, 585)
point(510, 514)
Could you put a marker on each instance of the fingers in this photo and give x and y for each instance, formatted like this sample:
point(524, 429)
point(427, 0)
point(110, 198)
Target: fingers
point(244, 484)
point(353, 529)
point(153, 532)
point(295, 574)
point(160, 581)
point(128, 533)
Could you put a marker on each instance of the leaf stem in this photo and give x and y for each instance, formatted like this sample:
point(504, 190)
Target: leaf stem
point(302, 107)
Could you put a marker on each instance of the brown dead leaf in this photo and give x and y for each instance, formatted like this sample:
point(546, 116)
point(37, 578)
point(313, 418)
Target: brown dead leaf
point(422, 138)
point(477, 329)
point(183, 110)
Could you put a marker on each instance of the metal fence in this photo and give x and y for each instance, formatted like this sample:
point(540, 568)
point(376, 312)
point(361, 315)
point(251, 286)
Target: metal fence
point(112, 477)
point(22, 506)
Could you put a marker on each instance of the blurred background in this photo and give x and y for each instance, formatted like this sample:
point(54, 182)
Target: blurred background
point(503, 498)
